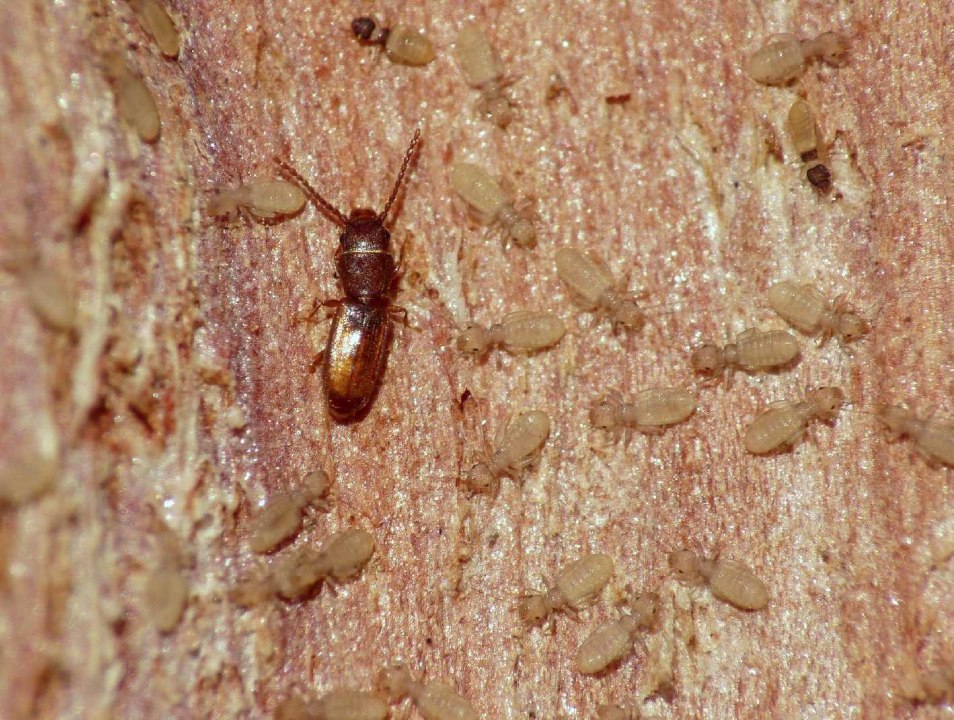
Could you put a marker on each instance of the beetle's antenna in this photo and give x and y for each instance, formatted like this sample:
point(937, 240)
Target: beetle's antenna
point(325, 207)
point(397, 183)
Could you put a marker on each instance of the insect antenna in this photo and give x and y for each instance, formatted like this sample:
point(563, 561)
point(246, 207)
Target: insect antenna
point(323, 206)
point(397, 183)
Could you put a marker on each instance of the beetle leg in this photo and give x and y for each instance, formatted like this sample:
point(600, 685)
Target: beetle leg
point(317, 305)
point(316, 363)
point(399, 268)
point(399, 310)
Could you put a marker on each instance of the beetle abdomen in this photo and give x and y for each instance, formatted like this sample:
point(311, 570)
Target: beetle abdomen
point(355, 356)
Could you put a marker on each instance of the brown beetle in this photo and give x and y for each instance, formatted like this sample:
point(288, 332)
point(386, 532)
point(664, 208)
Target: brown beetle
point(354, 356)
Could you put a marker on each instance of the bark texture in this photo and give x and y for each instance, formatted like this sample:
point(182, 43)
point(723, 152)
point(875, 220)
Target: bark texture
point(184, 397)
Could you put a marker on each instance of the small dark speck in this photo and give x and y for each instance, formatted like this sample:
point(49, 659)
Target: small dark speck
point(120, 624)
point(666, 692)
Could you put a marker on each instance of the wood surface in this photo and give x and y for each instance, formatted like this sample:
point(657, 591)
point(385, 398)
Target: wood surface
point(185, 397)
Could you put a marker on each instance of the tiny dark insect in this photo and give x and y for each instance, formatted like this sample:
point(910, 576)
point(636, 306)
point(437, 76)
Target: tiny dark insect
point(363, 28)
point(402, 43)
point(354, 356)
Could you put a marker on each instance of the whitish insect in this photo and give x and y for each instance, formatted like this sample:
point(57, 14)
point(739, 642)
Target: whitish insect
point(136, 104)
point(51, 297)
point(594, 288)
point(166, 596)
point(615, 712)
point(156, 21)
point(402, 44)
point(614, 640)
point(25, 475)
point(576, 585)
point(785, 422)
point(253, 591)
point(295, 707)
point(806, 309)
point(933, 686)
point(281, 518)
point(515, 447)
point(260, 199)
point(752, 350)
point(346, 553)
point(729, 581)
point(521, 331)
point(342, 557)
point(650, 411)
point(435, 700)
point(785, 57)
point(492, 203)
point(298, 573)
point(483, 71)
point(810, 148)
point(933, 438)
point(350, 705)
point(48, 290)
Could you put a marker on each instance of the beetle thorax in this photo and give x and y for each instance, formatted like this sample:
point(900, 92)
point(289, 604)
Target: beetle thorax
point(364, 260)
point(365, 231)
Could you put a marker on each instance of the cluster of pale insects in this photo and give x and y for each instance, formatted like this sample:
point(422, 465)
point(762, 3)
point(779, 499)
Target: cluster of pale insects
point(580, 582)
point(134, 101)
point(781, 61)
point(298, 570)
point(436, 700)
point(576, 587)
